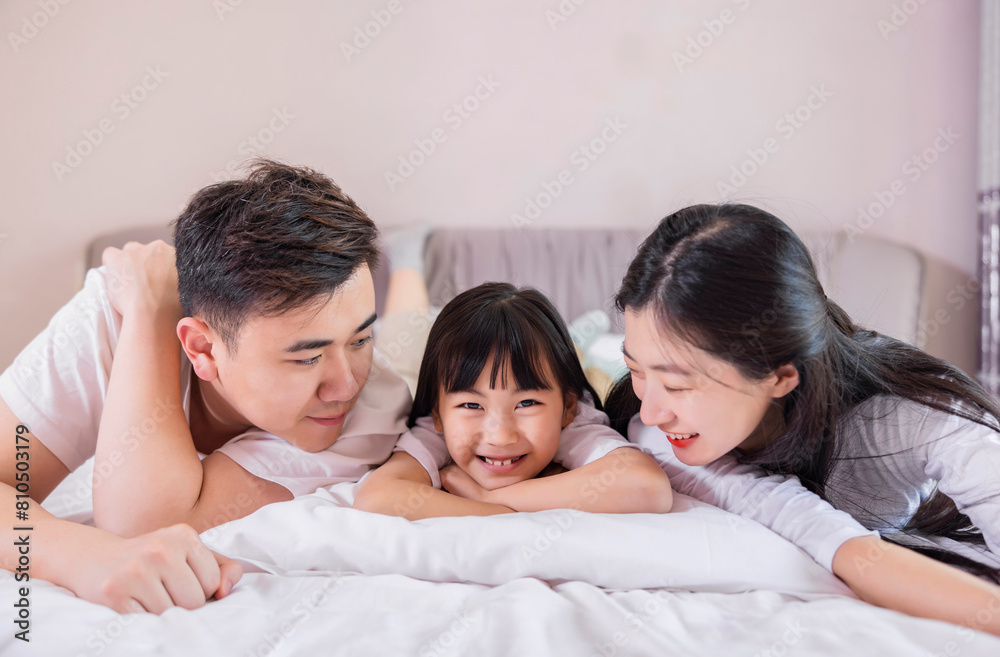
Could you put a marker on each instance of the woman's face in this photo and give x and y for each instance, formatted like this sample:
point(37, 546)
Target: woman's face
point(704, 405)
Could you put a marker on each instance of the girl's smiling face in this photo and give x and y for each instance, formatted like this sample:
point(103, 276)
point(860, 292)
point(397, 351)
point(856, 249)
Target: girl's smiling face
point(703, 404)
point(501, 436)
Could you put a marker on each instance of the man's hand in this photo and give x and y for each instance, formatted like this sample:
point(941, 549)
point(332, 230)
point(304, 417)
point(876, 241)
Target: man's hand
point(143, 278)
point(152, 572)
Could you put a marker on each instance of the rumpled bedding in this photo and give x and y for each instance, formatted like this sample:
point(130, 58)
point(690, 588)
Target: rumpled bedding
point(324, 579)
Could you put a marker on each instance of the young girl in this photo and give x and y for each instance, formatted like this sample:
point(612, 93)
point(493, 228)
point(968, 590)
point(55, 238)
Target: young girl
point(501, 395)
point(723, 311)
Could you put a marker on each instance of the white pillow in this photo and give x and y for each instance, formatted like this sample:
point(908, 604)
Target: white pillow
point(696, 547)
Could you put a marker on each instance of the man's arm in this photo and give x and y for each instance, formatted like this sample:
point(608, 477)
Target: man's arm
point(624, 481)
point(152, 572)
point(152, 479)
point(401, 487)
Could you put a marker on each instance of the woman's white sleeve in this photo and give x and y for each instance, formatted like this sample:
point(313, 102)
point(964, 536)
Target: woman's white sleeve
point(779, 502)
point(964, 458)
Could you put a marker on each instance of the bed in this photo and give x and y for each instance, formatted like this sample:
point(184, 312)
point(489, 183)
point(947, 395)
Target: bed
point(323, 578)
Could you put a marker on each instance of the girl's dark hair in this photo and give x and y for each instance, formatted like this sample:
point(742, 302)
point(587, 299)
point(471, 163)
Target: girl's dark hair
point(737, 282)
point(518, 327)
point(270, 243)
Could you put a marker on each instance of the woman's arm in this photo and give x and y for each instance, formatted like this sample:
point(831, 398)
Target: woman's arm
point(878, 572)
point(402, 487)
point(624, 481)
point(779, 502)
point(896, 578)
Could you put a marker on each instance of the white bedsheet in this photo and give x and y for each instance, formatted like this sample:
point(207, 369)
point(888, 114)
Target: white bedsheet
point(326, 579)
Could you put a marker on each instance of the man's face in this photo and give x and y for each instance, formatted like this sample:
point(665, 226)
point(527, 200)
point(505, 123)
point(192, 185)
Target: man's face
point(297, 375)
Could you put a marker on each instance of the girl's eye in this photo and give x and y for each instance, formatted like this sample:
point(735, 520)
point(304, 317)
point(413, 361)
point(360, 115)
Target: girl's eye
point(362, 342)
point(472, 406)
point(526, 403)
point(308, 361)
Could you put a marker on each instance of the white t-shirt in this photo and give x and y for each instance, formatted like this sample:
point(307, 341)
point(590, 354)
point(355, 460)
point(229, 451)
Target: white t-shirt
point(893, 455)
point(584, 440)
point(57, 385)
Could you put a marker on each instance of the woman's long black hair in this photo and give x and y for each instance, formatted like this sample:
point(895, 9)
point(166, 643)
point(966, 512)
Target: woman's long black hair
point(737, 282)
point(518, 327)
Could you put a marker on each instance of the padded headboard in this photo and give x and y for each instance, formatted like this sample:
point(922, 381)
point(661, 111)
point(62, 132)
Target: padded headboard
point(877, 282)
point(884, 286)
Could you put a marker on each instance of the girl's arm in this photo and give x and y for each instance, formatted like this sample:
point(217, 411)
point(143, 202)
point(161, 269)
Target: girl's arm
point(402, 487)
point(896, 578)
point(624, 481)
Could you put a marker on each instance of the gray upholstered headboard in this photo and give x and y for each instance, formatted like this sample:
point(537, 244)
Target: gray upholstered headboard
point(879, 283)
point(885, 286)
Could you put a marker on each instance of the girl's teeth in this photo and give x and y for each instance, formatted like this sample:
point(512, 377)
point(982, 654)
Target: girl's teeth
point(497, 462)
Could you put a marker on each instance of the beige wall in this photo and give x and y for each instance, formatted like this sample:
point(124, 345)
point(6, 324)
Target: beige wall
point(200, 78)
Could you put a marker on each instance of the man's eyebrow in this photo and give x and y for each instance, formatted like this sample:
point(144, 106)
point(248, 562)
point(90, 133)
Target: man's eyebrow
point(307, 345)
point(311, 345)
point(669, 368)
point(365, 324)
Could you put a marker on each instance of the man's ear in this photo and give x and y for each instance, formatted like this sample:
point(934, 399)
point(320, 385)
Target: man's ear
point(569, 409)
point(199, 342)
point(786, 380)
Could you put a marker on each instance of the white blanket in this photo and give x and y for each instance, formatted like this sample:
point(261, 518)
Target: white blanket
point(326, 579)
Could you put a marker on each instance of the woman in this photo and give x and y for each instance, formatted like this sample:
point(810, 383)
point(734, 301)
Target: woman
point(745, 374)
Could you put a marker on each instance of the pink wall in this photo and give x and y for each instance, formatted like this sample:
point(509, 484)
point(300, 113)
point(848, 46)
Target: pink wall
point(201, 77)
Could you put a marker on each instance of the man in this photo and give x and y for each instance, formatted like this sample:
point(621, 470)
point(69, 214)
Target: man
point(274, 319)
